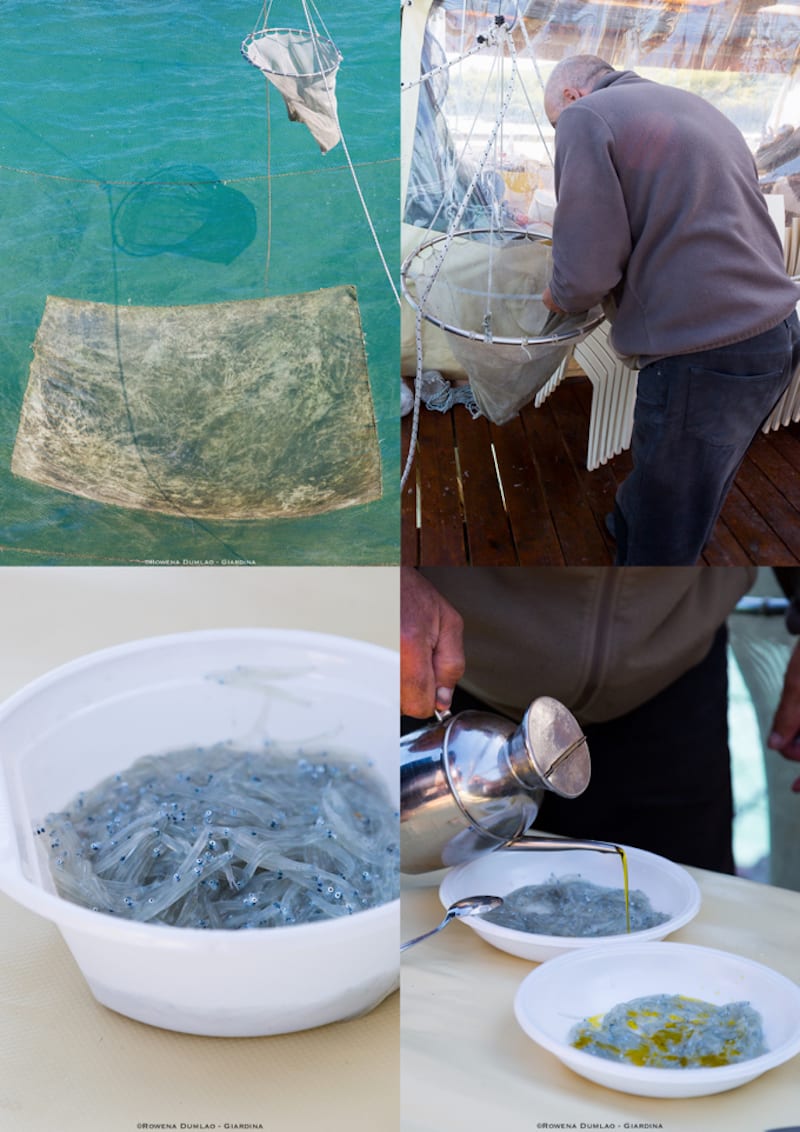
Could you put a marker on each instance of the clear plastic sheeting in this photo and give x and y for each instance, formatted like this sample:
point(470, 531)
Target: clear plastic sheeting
point(486, 295)
point(741, 55)
point(435, 161)
point(250, 409)
point(302, 66)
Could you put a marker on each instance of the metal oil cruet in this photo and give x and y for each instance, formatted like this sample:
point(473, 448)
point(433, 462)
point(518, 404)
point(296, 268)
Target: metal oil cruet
point(474, 782)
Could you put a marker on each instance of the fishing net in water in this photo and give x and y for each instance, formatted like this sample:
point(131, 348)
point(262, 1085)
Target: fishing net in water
point(185, 210)
point(259, 408)
point(302, 66)
point(484, 288)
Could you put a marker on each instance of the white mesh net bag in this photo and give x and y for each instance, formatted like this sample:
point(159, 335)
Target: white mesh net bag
point(302, 66)
point(484, 290)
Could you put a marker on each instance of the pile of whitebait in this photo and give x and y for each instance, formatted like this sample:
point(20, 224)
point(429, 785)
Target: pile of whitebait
point(571, 906)
point(671, 1031)
point(220, 838)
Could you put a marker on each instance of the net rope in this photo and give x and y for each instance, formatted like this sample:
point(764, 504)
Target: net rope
point(117, 183)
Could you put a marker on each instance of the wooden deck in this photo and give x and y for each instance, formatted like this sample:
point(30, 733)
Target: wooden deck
point(520, 494)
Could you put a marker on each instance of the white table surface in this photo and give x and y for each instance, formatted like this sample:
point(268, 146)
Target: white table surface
point(467, 1065)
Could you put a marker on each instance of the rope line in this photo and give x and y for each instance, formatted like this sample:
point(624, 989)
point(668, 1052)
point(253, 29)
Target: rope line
point(268, 254)
point(371, 226)
point(498, 37)
point(111, 182)
point(356, 183)
point(308, 5)
point(446, 66)
point(531, 54)
point(312, 17)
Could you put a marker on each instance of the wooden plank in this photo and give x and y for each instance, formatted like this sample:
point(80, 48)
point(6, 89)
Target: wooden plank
point(441, 536)
point(578, 533)
point(759, 542)
point(786, 442)
point(488, 529)
point(772, 507)
point(526, 504)
point(600, 486)
point(723, 549)
point(554, 509)
point(729, 547)
point(780, 462)
point(776, 455)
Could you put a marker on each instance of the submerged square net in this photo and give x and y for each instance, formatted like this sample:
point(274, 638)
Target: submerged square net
point(253, 409)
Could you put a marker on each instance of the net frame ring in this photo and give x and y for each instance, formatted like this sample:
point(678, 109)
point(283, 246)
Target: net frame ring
point(577, 333)
point(324, 49)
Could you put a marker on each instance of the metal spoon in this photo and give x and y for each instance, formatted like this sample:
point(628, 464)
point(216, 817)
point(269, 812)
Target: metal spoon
point(467, 906)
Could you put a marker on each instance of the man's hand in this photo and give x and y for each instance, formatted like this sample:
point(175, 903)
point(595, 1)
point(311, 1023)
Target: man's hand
point(547, 299)
point(785, 735)
point(431, 649)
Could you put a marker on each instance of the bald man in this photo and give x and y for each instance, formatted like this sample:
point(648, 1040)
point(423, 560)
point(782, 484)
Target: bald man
point(660, 217)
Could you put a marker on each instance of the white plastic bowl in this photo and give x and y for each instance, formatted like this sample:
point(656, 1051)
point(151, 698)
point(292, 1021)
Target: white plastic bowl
point(669, 887)
point(92, 717)
point(556, 996)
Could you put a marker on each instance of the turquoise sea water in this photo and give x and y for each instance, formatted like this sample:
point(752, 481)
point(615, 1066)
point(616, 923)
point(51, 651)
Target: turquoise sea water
point(102, 104)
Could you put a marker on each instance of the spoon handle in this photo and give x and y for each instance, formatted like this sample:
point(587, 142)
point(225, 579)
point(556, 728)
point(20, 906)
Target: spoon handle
point(425, 935)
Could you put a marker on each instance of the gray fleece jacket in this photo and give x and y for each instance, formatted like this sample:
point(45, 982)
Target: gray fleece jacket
point(659, 208)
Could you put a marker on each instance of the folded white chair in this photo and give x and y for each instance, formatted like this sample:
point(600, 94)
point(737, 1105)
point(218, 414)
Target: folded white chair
point(613, 397)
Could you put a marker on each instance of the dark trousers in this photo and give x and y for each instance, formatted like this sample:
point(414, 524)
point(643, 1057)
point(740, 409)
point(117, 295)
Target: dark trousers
point(695, 417)
point(661, 775)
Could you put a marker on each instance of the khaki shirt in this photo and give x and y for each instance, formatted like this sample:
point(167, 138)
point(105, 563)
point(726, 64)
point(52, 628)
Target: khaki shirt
point(602, 640)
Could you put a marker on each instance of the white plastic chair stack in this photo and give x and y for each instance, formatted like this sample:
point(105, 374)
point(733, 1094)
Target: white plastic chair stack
point(787, 411)
point(613, 397)
point(554, 382)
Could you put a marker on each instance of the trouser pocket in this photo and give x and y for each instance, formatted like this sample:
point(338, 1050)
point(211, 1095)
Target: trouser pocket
point(726, 410)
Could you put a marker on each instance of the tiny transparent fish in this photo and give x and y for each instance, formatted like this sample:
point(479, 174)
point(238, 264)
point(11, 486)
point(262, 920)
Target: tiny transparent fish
point(572, 906)
point(222, 838)
point(671, 1031)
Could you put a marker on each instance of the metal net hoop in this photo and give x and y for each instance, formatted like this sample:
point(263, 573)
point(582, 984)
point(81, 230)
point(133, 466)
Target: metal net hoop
point(288, 44)
point(476, 303)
